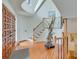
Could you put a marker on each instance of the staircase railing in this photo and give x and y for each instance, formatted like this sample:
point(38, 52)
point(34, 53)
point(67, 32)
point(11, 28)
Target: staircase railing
point(63, 48)
point(46, 24)
point(51, 26)
point(40, 27)
point(38, 30)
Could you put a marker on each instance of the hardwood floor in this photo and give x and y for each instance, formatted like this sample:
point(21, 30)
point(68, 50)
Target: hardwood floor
point(38, 51)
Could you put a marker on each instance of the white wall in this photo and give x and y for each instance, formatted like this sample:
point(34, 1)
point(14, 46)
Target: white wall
point(72, 25)
point(25, 26)
point(68, 8)
point(46, 7)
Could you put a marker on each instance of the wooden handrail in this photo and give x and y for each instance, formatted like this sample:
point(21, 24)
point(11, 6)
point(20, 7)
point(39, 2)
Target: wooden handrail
point(40, 23)
point(48, 18)
point(37, 25)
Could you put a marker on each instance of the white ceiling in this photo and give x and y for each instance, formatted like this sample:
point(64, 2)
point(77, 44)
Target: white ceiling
point(67, 8)
point(16, 5)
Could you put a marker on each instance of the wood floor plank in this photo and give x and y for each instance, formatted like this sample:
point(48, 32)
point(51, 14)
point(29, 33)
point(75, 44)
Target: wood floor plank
point(40, 52)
